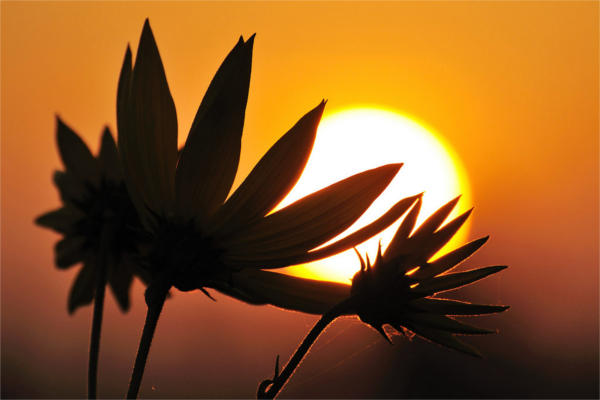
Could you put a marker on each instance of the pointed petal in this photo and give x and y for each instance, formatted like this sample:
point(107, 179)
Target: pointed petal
point(72, 190)
point(284, 291)
point(448, 261)
point(436, 219)
point(441, 322)
point(454, 281)
point(404, 230)
point(120, 279)
point(69, 251)
point(110, 164)
point(379, 328)
point(210, 157)
point(432, 244)
point(83, 289)
point(148, 139)
point(444, 339)
point(316, 218)
point(61, 220)
point(354, 239)
point(75, 154)
point(274, 175)
point(455, 307)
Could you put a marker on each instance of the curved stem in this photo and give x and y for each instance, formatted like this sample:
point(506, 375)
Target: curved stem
point(154, 310)
point(97, 321)
point(269, 388)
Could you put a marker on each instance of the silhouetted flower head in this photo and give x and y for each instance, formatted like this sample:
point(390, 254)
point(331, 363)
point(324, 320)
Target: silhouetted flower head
point(398, 287)
point(97, 218)
point(198, 235)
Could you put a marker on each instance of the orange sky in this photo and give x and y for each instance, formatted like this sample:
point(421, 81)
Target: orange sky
point(513, 87)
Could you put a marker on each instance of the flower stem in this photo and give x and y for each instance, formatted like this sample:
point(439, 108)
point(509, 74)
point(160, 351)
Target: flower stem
point(269, 388)
point(154, 309)
point(97, 320)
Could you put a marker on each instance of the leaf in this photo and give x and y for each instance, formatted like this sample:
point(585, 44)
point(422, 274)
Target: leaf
point(453, 281)
point(284, 291)
point(444, 323)
point(75, 154)
point(84, 287)
point(455, 307)
point(273, 177)
point(444, 339)
point(210, 157)
point(448, 261)
point(110, 163)
point(315, 218)
point(353, 239)
point(148, 128)
point(60, 220)
point(69, 251)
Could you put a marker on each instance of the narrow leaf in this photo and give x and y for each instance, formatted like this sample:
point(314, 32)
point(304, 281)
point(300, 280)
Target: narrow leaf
point(404, 230)
point(454, 281)
point(441, 322)
point(455, 307)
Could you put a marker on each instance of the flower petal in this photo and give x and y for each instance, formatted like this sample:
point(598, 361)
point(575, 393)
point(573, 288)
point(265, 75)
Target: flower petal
point(448, 261)
point(403, 232)
point(453, 281)
point(61, 220)
point(110, 164)
point(443, 338)
point(284, 291)
point(315, 218)
point(84, 288)
point(273, 177)
point(72, 190)
point(148, 126)
point(120, 279)
point(210, 157)
point(455, 307)
point(298, 257)
point(69, 251)
point(441, 322)
point(75, 154)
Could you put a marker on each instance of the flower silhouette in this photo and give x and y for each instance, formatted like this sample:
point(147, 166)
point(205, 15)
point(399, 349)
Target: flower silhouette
point(398, 289)
point(97, 218)
point(198, 236)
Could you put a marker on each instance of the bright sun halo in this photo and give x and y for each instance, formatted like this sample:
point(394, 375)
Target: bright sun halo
point(357, 139)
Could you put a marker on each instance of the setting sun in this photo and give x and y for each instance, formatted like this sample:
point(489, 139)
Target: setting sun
point(357, 139)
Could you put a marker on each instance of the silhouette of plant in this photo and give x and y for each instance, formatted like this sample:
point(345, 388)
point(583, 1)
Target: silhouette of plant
point(197, 237)
point(99, 225)
point(398, 289)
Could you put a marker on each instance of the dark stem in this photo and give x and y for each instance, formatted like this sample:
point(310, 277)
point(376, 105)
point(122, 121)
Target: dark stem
point(270, 388)
point(97, 320)
point(155, 306)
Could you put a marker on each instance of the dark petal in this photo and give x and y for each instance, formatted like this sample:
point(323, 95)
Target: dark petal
point(148, 140)
point(273, 177)
point(69, 251)
point(354, 239)
point(84, 287)
point(314, 219)
point(448, 261)
point(431, 245)
point(441, 322)
point(284, 291)
point(123, 92)
point(110, 164)
point(436, 219)
point(120, 279)
point(454, 281)
point(443, 338)
point(404, 230)
point(75, 154)
point(72, 190)
point(210, 157)
point(61, 220)
point(455, 307)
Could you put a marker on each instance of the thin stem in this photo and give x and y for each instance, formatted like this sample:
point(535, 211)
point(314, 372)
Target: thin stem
point(97, 320)
point(154, 310)
point(269, 388)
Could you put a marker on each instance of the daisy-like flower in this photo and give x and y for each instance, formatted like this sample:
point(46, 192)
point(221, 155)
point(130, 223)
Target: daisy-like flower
point(198, 236)
point(98, 222)
point(398, 289)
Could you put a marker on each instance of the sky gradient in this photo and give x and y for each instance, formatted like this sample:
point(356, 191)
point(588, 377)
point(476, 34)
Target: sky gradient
point(512, 87)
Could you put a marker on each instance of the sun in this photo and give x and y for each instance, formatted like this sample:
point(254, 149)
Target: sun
point(353, 140)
